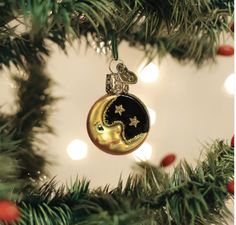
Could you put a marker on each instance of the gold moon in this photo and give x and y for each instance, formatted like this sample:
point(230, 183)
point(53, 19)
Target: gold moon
point(110, 138)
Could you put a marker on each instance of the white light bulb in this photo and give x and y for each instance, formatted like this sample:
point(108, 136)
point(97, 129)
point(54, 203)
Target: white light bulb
point(77, 149)
point(152, 115)
point(230, 83)
point(143, 153)
point(149, 73)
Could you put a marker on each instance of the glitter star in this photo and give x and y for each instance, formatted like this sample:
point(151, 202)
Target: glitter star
point(134, 122)
point(119, 109)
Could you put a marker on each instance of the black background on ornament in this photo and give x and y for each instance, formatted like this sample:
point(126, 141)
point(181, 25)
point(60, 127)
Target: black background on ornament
point(133, 107)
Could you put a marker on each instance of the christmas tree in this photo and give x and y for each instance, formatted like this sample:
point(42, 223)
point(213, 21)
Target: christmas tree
point(188, 30)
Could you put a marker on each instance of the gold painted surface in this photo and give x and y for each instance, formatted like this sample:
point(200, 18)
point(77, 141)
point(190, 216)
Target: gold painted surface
point(109, 138)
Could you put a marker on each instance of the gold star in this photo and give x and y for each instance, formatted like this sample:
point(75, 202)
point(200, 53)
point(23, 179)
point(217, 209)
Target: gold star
point(134, 122)
point(119, 109)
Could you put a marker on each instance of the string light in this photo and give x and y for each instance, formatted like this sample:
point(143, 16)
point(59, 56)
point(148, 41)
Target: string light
point(229, 84)
point(143, 153)
point(77, 149)
point(148, 73)
point(152, 115)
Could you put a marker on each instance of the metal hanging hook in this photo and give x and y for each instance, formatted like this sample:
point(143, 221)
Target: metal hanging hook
point(117, 61)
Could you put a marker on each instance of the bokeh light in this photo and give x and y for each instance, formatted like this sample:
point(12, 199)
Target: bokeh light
point(152, 115)
point(77, 149)
point(229, 84)
point(148, 73)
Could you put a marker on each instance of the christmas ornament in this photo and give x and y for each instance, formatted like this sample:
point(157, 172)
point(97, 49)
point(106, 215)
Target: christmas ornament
point(225, 50)
point(8, 212)
point(168, 160)
point(232, 142)
point(230, 187)
point(118, 123)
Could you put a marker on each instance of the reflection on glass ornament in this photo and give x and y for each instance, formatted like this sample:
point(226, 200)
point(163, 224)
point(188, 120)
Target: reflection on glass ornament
point(148, 73)
point(77, 149)
point(152, 115)
point(143, 153)
point(229, 84)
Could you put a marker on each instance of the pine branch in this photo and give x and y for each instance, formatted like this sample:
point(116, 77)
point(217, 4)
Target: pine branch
point(34, 104)
point(9, 182)
point(21, 51)
point(5, 12)
point(188, 197)
point(188, 30)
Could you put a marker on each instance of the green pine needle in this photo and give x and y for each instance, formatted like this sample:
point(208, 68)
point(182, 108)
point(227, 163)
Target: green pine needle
point(190, 196)
point(189, 30)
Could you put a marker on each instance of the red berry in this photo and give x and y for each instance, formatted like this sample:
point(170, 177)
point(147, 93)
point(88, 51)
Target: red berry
point(167, 160)
point(8, 211)
point(232, 142)
point(230, 187)
point(225, 50)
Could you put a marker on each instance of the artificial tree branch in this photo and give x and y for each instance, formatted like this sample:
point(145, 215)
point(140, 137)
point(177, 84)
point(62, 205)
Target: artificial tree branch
point(9, 173)
point(188, 30)
point(188, 197)
point(34, 104)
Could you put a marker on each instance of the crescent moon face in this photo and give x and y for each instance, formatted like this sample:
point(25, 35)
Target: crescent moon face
point(118, 124)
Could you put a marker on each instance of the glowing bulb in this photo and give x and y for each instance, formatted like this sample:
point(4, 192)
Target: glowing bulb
point(152, 115)
point(77, 149)
point(143, 153)
point(149, 73)
point(230, 84)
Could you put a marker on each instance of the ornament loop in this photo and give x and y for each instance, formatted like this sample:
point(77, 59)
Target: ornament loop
point(126, 75)
point(117, 61)
point(118, 82)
